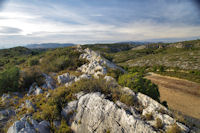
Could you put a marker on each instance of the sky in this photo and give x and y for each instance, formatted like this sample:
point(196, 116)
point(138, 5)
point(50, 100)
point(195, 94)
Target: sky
point(97, 21)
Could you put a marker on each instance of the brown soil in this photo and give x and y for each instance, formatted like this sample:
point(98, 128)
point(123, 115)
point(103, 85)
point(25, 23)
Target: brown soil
point(181, 95)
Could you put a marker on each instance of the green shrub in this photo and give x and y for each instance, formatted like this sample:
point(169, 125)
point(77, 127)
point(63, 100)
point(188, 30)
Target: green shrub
point(64, 128)
point(139, 69)
point(174, 129)
point(60, 59)
point(9, 80)
point(115, 73)
point(50, 112)
point(161, 68)
point(159, 124)
point(50, 109)
point(148, 116)
point(127, 99)
point(33, 62)
point(164, 103)
point(92, 85)
point(30, 75)
point(137, 83)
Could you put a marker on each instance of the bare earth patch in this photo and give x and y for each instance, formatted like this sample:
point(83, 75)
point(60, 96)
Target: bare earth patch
point(181, 95)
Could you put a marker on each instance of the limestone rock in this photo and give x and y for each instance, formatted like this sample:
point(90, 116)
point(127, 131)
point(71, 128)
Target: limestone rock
point(28, 125)
point(79, 95)
point(34, 90)
point(97, 64)
point(183, 127)
point(57, 123)
point(65, 78)
point(83, 76)
point(111, 81)
point(29, 105)
point(48, 95)
point(149, 104)
point(68, 111)
point(128, 91)
point(43, 127)
point(6, 114)
point(5, 97)
point(16, 127)
point(49, 82)
point(97, 114)
point(38, 91)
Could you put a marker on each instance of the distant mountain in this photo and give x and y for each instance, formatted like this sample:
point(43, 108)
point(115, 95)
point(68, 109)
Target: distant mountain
point(49, 45)
point(134, 43)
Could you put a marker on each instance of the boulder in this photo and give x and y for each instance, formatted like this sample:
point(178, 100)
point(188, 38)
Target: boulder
point(79, 95)
point(97, 114)
point(128, 91)
point(49, 82)
point(65, 78)
point(69, 83)
point(34, 90)
point(183, 127)
point(27, 130)
point(43, 127)
point(28, 125)
point(5, 97)
point(149, 104)
point(85, 76)
point(6, 114)
point(97, 64)
point(38, 91)
point(111, 80)
point(69, 110)
point(16, 127)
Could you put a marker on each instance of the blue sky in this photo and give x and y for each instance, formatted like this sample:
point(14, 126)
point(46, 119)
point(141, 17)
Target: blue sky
point(94, 21)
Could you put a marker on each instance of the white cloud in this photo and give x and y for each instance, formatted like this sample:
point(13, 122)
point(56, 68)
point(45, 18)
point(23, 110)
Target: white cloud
point(56, 23)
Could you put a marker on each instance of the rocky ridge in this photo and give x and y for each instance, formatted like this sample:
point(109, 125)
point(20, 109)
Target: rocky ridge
point(93, 112)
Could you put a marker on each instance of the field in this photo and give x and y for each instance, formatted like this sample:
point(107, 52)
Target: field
point(181, 95)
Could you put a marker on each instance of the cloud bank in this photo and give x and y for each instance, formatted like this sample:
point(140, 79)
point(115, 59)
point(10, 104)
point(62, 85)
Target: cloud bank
point(85, 21)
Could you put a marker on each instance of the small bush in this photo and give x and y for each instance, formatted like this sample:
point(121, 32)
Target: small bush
point(127, 99)
point(9, 80)
point(61, 59)
point(161, 68)
point(159, 124)
point(149, 116)
point(174, 129)
point(137, 83)
point(64, 128)
point(164, 103)
point(33, 62)
point(91, 85)
point(30, 75)
point(115, 73)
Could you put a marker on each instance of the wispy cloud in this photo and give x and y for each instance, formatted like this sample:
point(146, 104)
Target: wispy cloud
point(9, 30)
point(78, 21)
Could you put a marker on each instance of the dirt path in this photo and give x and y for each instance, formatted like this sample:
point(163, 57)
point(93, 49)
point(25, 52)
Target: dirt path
point(181, 95)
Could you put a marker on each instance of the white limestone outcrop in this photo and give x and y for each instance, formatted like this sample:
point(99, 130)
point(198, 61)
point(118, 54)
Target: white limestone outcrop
point(97, 64)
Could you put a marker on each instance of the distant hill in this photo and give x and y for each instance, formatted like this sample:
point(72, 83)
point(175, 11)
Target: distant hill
point(16, 55)
point(183, 55)
point(16, 51)
point(134, 43)
point(49, 45)
point(111, 48)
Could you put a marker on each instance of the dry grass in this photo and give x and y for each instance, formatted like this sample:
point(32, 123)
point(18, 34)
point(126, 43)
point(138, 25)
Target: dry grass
point(181, 95)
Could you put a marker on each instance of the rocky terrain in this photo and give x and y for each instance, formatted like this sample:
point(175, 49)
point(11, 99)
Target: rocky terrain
point(90, 112)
